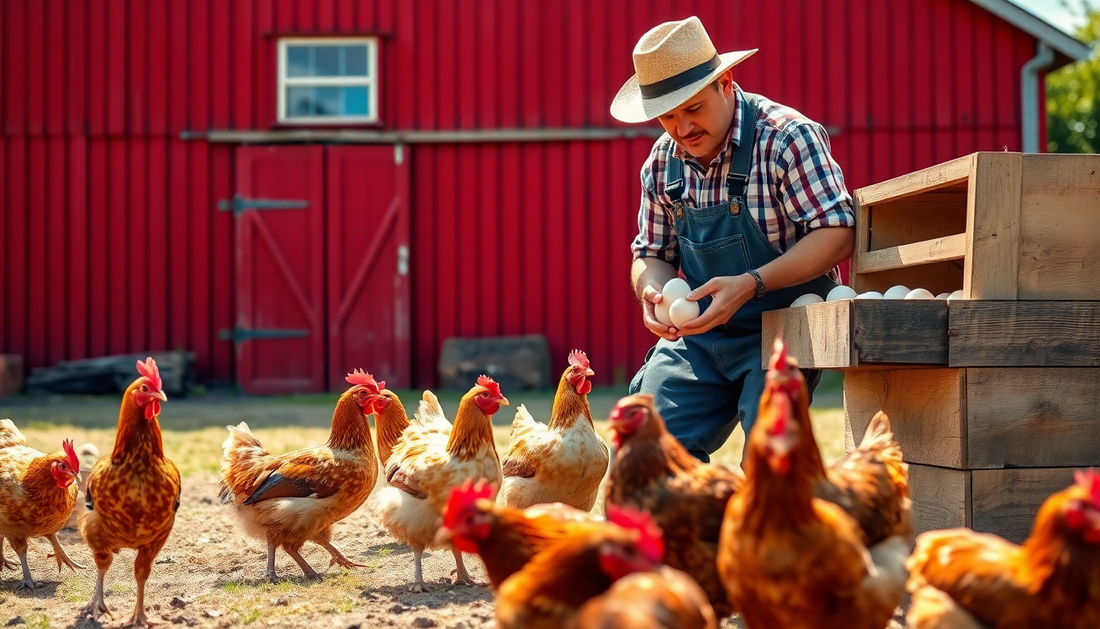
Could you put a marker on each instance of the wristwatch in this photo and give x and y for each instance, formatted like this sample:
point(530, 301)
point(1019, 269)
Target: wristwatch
point(761, 290)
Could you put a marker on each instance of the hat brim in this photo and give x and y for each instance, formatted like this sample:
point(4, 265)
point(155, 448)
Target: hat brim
point(629, 106)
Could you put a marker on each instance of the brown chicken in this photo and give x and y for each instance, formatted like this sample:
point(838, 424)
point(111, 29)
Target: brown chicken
point(871, 483)
point(661, 598)
point(431, 458)
point(505, 538)
point(133, 494)
point(653, 472)
point(37, 494)
point(791, 560)
point(553, 588)
point(296, 497)
point(390, 421)
point(962, 579)
point(564, 460)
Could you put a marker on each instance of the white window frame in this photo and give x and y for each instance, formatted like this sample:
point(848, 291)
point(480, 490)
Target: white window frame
point(371, 80)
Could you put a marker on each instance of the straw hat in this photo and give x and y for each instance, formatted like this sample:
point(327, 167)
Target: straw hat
point(673, 61)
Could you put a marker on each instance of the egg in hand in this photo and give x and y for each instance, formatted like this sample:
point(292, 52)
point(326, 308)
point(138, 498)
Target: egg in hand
point(674, 289)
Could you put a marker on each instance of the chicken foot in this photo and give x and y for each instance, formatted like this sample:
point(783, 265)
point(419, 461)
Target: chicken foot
point(307, 569)
point(60, 555)
point(460, 570)
point(270, 574)
point(143, 566)
point(97, 606)
point(338, 557)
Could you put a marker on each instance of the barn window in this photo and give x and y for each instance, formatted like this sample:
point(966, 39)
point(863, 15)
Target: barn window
point(331, 80)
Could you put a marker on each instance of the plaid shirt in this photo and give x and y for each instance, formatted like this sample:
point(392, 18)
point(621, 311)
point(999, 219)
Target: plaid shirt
point(794, 184)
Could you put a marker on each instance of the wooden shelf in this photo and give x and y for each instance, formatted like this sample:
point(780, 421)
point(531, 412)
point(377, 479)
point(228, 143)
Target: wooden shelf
point(917, 253)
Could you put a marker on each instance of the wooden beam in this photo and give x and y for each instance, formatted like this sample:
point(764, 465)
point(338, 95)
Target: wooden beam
point(925, 252)
point(1024, 333)
point(941, 498)
point(927, 410)
point(817, 335)
point(1024, 417)
point(993, 218)
point(1005, 501)
point(931, 178)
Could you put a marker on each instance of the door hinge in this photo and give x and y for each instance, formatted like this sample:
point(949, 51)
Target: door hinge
point(238, 335)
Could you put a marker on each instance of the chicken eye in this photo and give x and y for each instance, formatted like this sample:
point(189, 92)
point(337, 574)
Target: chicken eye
point(144, 387)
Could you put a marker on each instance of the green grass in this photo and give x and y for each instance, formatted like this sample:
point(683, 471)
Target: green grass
point(36, 621)
point(343, 606)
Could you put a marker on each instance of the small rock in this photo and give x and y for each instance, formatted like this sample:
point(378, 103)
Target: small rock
point(18, 620)
point(156, 607)
point(398, 608)
point(281, 601)
point(204, 540)
point(355, 626)
point(165, 559)
point(213, 613)
point(370, 596)
point(206, 500)
point(185, 620)
point(423, 621)
point(179, 602)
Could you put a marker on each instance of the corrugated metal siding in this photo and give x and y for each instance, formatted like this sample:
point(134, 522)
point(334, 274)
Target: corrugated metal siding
point(112, 242)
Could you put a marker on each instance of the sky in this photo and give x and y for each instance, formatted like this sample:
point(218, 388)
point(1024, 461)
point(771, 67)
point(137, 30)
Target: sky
point(1053, 12)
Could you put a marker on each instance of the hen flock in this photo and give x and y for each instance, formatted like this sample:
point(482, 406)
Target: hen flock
point(791, 542)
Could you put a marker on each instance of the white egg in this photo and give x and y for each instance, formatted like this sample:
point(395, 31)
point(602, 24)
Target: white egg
point(681, 311)
point(955, 295)
point(807, 299)
point(840, 292)
point(660, 310)
point(943, 295)
point(896, 292)
point(674, 289)
point(871, 294)
point(919, 293)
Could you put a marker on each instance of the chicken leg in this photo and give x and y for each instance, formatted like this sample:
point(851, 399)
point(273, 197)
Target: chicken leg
point(4, 563)
point(270, 574)
point(97, 606)
point(143, 566)
point(418, 571)
point(461, 575)
point(338, 557)
point(307, 569)
point(20, 546)
point(60, 555)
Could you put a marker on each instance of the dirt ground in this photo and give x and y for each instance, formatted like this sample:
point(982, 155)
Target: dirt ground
point(211, 575)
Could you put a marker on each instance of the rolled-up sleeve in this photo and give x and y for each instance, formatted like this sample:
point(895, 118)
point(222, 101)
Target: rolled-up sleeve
point(811, 184)
point(655, 233)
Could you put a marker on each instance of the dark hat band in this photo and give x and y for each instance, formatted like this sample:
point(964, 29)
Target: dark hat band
point(681, 80)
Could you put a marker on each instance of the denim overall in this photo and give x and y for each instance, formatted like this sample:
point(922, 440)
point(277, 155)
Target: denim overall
point(705, 384)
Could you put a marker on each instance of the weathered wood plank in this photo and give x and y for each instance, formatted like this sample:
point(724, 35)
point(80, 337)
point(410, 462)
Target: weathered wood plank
point(818, 335)
point(1024, 333)
point(913, 254)
point(931, 178)
point(1020, 417)
point(1005, 501)
point(927, 409)
point(925, 216)
point(993, 241)
point(941, 497)
point(1059, 227)
point(910, 331)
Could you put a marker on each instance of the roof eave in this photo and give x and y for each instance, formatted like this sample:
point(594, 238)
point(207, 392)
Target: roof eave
point(1067, 48)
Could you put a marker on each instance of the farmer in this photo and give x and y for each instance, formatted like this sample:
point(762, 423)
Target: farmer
point(741, 196)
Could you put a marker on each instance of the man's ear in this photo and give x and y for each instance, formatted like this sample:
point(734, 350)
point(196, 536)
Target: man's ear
point(725, 82)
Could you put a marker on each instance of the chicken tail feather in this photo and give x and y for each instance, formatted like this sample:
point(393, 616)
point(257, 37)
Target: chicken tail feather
point(241, 453)
point(10, 435)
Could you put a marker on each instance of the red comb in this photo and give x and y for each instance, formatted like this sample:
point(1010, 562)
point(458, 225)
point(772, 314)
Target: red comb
point(70, 453)
point(577, 358)
point(779, 355)
point(150, 371)
point(361, 377)
point(782, 416)
point(465, 496)
point(1090, 480)
point(490, 384)
point(652, 541)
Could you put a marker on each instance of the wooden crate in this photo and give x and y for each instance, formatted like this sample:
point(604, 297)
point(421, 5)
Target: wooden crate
point(996, 225)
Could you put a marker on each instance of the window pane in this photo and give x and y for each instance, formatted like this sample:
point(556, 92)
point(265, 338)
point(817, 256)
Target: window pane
point(300, 101)
point(356, 101)
point(326, 61)
point(329, 101)
point(355, 60)
point(297, 60)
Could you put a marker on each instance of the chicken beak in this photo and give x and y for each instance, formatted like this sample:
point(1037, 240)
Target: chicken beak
point(160, 395)
point(503, 401)
point(444, 536)
point(588, 373)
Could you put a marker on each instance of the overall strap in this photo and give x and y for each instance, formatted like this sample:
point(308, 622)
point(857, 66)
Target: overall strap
point(741, 162)
point(674, 177)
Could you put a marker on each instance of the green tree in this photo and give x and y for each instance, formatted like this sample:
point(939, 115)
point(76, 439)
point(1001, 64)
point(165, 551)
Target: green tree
point(1073, 94)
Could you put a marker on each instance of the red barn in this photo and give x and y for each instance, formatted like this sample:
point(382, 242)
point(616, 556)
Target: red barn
point(292, 188)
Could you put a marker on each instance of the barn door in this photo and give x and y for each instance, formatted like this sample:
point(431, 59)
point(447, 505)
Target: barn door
point(368, 264)
point(279, 214)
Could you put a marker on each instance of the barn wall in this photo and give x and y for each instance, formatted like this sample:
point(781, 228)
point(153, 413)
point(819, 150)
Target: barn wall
point(111, 237)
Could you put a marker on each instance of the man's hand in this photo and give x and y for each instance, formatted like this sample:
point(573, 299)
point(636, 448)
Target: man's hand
point(730, 292)
point(651, 296)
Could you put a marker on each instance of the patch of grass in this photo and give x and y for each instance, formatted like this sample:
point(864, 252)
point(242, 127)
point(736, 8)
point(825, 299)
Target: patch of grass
point(75, 589)
point(37, 621)
point(118, 588)
point(385, 552)
point(343, 606)
point(248, 616)
point(232, 587)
